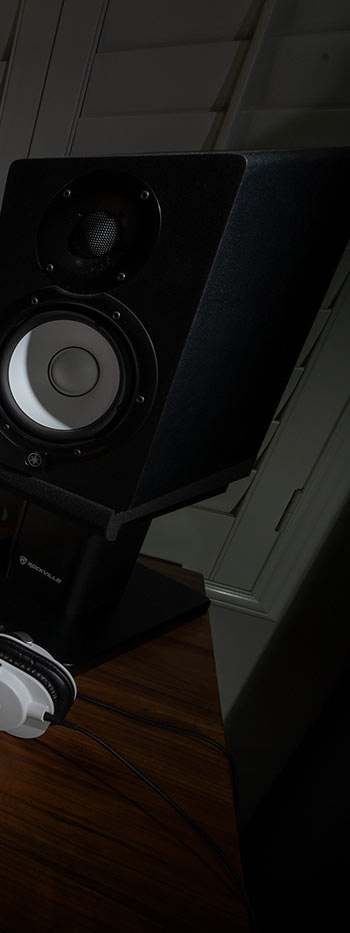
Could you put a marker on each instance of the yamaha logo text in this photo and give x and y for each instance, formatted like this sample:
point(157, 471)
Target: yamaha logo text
point(28, 563)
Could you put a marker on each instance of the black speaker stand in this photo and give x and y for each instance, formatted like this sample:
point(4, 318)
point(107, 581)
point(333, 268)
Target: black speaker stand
point(151, 605)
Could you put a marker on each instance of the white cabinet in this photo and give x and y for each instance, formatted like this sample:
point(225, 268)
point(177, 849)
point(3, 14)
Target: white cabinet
point(281, 513)
point(301, 481)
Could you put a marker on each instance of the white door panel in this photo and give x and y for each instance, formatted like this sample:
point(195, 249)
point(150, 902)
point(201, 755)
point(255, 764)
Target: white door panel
point(135, 24)
point(71, 61)
point(162, 132)
point(298, 446)
point(27, 38)
point(302, 71)
point(179, 78)
point(298, 16)
point(292, 128)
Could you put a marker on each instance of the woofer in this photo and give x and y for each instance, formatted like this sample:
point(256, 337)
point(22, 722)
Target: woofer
point(72, 373)
point(64, 375)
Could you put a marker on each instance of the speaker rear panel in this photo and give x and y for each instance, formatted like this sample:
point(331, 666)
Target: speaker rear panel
point(203, 273)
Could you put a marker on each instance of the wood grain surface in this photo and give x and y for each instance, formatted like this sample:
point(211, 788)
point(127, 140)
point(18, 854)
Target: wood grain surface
point(85, 844)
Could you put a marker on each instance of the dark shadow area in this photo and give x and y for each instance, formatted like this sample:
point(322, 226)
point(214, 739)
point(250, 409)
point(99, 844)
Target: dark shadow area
point(289, 735)
point(296, 675)
point(295, 851)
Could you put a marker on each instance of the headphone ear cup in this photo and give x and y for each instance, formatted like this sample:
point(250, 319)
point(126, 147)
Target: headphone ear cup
point(38, 664)
point(57, 685)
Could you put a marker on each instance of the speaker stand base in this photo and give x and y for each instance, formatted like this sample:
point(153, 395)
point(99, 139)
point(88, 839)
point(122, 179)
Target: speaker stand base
point(151, 605)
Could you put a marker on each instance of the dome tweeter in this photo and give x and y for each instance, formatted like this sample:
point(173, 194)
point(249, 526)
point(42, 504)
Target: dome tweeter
point(98, 231)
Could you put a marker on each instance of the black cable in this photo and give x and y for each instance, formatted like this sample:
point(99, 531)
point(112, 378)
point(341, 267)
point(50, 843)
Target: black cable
point(48, 717)
point(170, 728)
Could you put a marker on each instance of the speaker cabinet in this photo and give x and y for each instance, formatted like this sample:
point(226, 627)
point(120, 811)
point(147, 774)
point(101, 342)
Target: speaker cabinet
point(152, 308)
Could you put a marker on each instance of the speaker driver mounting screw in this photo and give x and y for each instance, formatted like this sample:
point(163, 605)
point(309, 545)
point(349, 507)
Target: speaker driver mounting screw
point(6, 427)
point(121, 276)
point(116, 315)
point(144, 195)
point(49, 267)
point(34, 459)
point(67, 193)
point(77, 452)
point(34, 301)
point(140, 399)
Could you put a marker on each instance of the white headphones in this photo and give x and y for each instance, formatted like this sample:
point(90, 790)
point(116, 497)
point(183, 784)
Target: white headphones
point(32, 683)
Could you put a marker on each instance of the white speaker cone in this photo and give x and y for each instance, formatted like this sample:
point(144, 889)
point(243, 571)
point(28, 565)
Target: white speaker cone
point(64, 374)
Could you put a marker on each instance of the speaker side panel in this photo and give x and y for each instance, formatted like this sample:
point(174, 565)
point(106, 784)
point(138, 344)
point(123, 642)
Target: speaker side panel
point(287, 230)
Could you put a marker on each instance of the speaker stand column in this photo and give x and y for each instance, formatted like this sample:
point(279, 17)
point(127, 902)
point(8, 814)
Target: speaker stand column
point(85, 599)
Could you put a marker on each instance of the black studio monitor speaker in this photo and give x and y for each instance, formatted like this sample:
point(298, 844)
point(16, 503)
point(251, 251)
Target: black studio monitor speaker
point(151, 311)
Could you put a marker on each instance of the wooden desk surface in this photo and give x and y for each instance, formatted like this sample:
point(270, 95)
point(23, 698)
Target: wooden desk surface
point(85, 844)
